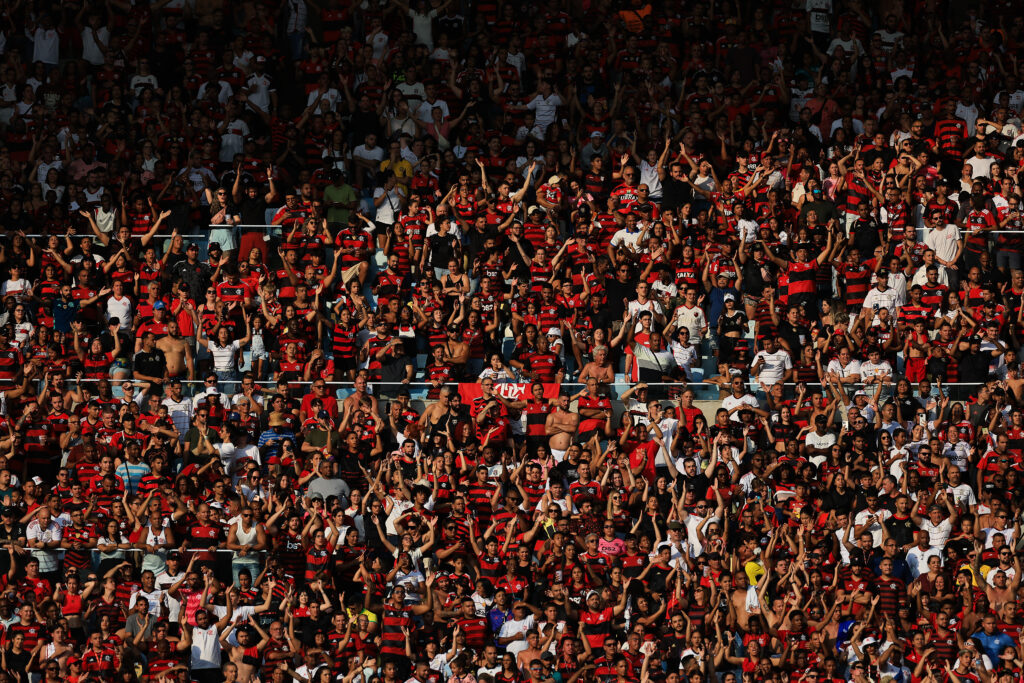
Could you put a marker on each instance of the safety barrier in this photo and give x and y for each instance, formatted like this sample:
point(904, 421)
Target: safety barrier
point(418, 390)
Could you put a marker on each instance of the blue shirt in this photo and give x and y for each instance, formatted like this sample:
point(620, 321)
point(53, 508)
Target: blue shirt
point(274, 448)
point(496, 618)
point(63, 313)
point(993, 644)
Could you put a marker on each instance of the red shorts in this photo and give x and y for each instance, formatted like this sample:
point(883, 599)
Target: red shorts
point(915, 369)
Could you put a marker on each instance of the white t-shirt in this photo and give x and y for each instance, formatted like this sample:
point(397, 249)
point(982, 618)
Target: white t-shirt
point(917, 560)
point(944, 242)
point(852, 368)
point(423, 112)
point(514, 627)
point(939, 533)
point(627, 238)
point(545, 109)
point(774, 367)
point(232, 138)
point(389, 209)
point(692, 319)
point(205, 648)
point(821, 442)
point(731, 401)
point(819, 12)
point(157, 597)
point(876, 527)
point(46, 46)
point(224, 356)
point(165, 581)
point(887, 300)
point(876, 371)
point(91, 40)
point(120, 309)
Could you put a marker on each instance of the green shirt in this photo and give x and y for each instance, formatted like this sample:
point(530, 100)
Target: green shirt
point(344, 194)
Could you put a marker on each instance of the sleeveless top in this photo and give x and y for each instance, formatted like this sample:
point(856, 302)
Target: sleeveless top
point(244, 538)
point(155, 562)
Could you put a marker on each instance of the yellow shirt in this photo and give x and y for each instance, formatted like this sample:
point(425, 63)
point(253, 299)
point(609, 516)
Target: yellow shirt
point(402, 170)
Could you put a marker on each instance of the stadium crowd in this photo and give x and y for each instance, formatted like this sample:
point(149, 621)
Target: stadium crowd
point(486, 342)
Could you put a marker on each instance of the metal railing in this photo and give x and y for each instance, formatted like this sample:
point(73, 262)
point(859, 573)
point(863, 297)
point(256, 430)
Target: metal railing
point(418, 389)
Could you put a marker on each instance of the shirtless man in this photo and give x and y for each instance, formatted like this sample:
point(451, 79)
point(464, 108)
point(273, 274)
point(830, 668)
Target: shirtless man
point(742, 608)
point(245, 655)
point(599, 368)
point(177, 352)
point(560, 427)
point(1000, 586)
point(359, 396)
point(436, 415)
point(456, 351)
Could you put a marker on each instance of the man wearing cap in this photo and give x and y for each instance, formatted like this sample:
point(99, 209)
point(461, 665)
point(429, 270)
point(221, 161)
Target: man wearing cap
point(192, 271)
point(549, 195)
point(594, 149)
point(878, 297)
point(802, 273)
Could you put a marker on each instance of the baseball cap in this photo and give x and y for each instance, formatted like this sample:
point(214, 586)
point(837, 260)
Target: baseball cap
point(729, 297)
point(159, 306)
point(596, 134)
point(533, 208)
point(554, 180)
point(554, 332)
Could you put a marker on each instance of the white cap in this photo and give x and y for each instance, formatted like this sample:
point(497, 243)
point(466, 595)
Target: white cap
point(554, 331)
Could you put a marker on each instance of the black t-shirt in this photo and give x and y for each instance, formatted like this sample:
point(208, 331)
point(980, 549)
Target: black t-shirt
point(617, 291)
point(794, 335)
point(674, 193)
point(441, 249)
point(152, 363)
point(973, 367)
point(840, 502)
point(698, 483)
point(307, 627)
point(252, 211)
point(902, 529)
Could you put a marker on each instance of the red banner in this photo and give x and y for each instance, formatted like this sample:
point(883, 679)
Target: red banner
point(512, 391)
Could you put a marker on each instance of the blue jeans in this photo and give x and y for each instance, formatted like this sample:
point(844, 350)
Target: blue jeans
point(249, 562)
